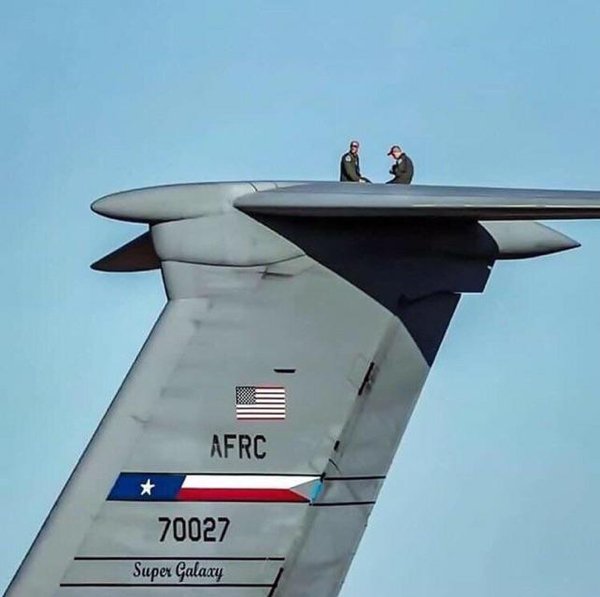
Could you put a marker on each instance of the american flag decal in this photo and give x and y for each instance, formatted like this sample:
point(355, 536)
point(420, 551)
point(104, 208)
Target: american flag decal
point(259, 403)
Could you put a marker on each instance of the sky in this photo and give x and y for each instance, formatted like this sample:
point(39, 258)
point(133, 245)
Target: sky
point(496, 486)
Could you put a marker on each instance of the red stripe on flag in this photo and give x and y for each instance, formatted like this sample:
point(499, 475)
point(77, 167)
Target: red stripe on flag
point(190, 494)
point(262, 419)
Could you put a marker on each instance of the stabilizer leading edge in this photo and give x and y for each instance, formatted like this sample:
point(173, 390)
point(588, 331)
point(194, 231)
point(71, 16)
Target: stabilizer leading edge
point(247, 446)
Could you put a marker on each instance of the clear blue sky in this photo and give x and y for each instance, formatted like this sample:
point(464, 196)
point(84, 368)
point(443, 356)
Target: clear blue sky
point(496, 487)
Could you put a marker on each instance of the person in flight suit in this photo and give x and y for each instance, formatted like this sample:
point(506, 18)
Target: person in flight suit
point(402, 169)
point(350, 165)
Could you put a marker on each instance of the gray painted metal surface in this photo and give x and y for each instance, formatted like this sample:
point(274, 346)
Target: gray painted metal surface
point(335, 199)
point(341, 317)
point(377, 200)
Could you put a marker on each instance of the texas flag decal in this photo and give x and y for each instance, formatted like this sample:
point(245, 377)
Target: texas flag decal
point(167, 487)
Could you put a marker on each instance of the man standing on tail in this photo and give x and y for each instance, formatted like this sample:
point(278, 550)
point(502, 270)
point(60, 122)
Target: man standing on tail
point(402, 168)
point(350, 165)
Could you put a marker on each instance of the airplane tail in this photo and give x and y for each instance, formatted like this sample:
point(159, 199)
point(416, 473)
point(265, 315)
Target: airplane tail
point(247, 445)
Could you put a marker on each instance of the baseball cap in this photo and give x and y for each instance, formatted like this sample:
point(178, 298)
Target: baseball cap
point(392, 148)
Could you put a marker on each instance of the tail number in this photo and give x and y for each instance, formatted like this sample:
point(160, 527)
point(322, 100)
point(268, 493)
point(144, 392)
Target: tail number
point(208, 530)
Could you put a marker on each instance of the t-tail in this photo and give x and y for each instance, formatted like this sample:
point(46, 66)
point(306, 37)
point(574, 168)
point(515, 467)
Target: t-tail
point(246, 448)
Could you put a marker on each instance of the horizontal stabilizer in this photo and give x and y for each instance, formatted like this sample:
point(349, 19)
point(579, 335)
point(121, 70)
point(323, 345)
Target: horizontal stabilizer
point(193, 200)
point(136, 256)
point(378, 200)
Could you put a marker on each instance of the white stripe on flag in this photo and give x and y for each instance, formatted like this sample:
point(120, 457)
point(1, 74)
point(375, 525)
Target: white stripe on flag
point(261, 416)
point(245, 481)
point(248, 411)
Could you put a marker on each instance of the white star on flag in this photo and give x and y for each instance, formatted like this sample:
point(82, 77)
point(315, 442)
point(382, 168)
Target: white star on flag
point(147, 487)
